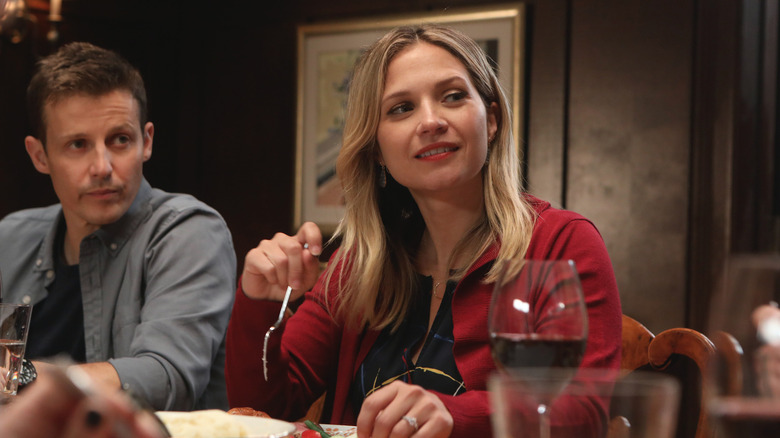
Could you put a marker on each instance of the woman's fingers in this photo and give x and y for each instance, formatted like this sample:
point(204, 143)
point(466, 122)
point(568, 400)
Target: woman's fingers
point(403, 410)
point(309, 234)
point(310, 237)
point(259, 276)
point(283, 261)
point(381, 411)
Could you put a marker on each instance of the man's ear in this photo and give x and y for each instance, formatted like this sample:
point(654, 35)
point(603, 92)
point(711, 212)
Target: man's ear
point(37, 154)
point(148, 139)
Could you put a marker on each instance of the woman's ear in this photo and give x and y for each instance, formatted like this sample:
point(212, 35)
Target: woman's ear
point(493, 119)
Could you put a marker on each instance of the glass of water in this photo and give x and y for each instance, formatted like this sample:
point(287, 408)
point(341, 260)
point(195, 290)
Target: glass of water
point(14, 324)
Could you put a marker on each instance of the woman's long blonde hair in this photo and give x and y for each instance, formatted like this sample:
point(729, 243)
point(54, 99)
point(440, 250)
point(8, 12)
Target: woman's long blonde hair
point(381, 229)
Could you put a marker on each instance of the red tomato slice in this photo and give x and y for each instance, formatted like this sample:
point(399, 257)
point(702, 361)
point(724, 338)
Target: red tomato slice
point(310, 434)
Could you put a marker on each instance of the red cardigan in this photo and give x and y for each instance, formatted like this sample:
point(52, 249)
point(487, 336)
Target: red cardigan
point(313, 355)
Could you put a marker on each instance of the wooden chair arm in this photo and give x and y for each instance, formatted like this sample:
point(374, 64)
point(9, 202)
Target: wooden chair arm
point(636, 341)
point(683, 341)
point(689, 343)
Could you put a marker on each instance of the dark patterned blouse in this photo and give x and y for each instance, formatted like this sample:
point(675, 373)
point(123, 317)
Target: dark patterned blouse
point(391, 356)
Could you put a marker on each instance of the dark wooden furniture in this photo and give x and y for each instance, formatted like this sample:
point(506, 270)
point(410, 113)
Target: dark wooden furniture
point(642, 349)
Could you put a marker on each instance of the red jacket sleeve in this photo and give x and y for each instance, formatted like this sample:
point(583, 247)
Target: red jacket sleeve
point(302, 356)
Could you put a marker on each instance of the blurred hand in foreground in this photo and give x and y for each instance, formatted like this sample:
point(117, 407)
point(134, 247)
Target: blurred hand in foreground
point(53, 407)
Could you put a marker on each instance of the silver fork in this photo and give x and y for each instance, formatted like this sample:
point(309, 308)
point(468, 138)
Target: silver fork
point(272, 328)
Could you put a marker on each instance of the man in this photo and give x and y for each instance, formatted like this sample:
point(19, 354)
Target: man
point(135, 284)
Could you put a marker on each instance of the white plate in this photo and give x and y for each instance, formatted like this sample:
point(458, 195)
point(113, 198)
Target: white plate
point(256, 427)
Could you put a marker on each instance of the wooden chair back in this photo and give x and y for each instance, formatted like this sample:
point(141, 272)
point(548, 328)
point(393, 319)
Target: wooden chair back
point(641, 348)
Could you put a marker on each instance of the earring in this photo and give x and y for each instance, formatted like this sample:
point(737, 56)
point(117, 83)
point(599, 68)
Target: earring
point(383, 177)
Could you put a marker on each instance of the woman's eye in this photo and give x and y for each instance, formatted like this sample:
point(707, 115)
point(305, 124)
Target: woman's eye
point(455, 96)
point(400, 108)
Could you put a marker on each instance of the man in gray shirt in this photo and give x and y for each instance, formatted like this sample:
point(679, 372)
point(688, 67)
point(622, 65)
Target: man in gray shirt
point(135, 284)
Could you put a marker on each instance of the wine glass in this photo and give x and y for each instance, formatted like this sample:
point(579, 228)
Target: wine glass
point(538, 320)
point(743, 381)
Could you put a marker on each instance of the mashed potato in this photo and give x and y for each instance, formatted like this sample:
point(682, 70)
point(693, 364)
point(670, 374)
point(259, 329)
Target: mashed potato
point(211, 423)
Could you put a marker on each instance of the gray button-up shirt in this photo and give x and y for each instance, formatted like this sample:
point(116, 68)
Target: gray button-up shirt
point(157, 289)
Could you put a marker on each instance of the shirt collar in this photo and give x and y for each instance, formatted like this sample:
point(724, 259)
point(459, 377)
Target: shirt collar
point(116, 234)
point(113, 236)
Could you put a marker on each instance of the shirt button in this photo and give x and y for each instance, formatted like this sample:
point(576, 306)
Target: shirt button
point(26, 299)
point(50, 274)
point(113, 246)
point(38, 262)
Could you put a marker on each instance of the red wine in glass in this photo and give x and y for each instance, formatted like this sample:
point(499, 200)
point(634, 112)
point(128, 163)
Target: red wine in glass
point(514, 350)
point(538, 320)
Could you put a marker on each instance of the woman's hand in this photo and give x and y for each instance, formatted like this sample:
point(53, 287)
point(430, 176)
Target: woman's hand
point(403, 410)
point(283, 261)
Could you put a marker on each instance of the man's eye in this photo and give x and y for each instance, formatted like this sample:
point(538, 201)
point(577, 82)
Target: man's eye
point(77, 144)
point(121, 140)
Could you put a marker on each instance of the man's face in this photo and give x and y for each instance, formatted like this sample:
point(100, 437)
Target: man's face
point(94, 153)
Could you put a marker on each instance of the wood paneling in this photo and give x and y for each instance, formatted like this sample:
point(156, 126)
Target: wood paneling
point(547, 95)
point(629, 145)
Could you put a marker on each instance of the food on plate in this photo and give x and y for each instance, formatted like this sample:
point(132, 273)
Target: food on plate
point(211, 423)
point(248, 412)
point(310, 429)
point(314, 434)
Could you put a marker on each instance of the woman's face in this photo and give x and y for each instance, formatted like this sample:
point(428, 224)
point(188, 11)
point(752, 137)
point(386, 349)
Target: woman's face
point(434, 127)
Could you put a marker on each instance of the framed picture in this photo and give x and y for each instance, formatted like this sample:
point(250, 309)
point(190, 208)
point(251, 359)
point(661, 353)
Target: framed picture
point(326, 55)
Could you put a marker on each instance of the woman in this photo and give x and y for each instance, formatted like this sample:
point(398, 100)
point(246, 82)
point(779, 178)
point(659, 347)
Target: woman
point(433, 205)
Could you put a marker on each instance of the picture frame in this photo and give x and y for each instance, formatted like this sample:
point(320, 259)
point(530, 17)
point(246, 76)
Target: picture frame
point(326, 55)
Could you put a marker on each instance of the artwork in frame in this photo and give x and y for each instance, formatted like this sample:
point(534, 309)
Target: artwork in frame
point(326, 55)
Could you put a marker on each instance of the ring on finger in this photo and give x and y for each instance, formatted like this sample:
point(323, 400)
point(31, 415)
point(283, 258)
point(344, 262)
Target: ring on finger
point(412, 421)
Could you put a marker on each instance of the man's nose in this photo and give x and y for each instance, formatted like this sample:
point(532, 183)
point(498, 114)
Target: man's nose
point(101, 162)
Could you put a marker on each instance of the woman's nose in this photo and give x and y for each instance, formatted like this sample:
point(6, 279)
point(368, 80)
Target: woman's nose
point(431, 121)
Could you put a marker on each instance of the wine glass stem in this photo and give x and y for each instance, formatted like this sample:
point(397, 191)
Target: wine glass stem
point(544, 421)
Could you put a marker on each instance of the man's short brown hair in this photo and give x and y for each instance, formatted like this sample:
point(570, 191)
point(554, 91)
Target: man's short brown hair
point(80, 68)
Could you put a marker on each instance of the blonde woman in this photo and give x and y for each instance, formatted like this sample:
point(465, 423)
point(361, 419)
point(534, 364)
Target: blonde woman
point(395, 330)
